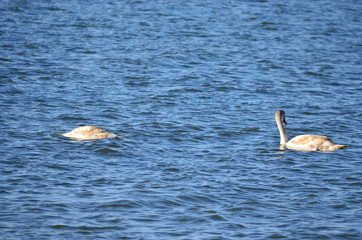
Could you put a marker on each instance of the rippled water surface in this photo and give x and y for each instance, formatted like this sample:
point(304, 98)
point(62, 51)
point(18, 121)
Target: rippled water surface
point(193, 85)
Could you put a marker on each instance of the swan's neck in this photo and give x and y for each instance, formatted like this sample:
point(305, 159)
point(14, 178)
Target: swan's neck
point(282, 132)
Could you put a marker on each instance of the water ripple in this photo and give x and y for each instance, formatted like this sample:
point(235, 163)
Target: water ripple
point(193, 88)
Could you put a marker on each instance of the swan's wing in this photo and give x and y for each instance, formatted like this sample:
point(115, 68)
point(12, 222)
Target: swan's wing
point(88, 133)
point(308, 142)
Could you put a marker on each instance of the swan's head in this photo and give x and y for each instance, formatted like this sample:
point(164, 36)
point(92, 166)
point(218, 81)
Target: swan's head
point(281, 115)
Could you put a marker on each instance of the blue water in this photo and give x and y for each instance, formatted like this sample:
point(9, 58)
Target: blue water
point(193, 85)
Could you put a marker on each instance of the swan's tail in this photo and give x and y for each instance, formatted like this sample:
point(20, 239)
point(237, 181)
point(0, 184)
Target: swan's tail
point(339, 146)
point(332, 147)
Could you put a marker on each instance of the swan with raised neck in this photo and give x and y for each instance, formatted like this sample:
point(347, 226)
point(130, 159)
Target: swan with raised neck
point(307, 142)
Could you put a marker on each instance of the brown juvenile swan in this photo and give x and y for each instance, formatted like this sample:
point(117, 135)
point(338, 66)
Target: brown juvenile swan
point(88, 133)
point(308, 142)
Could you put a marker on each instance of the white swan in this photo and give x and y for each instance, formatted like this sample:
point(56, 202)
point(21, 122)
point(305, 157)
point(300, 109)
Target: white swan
point(88, 133)
point(307, 142)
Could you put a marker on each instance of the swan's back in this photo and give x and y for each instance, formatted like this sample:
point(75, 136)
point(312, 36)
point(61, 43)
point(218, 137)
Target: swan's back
point(312, 142)
point(88, 133)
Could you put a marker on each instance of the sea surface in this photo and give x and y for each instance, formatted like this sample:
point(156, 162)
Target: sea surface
point(192, 86)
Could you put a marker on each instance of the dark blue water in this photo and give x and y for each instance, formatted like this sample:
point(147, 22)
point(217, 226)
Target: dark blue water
point(194, 86)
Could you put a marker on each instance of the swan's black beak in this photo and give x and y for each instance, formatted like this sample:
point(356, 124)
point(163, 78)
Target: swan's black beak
point(285, 122)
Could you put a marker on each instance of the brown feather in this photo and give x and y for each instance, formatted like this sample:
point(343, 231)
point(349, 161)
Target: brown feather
point(88, 133)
